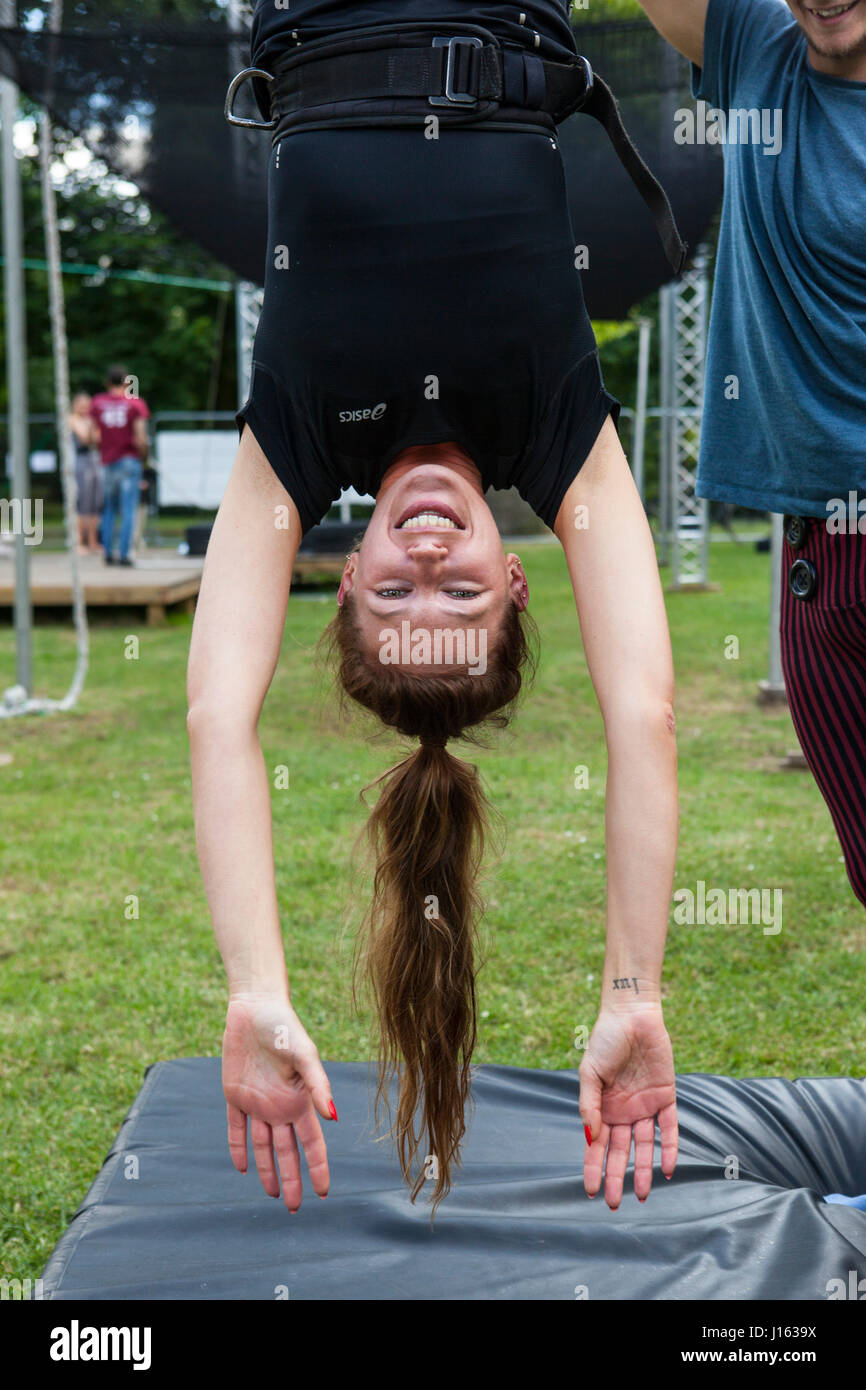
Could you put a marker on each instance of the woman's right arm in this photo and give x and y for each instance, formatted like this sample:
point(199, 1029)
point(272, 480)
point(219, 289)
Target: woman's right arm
point(82, 431)
point(271, 1069)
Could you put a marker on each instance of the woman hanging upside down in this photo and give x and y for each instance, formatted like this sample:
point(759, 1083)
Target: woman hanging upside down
point(424, 338)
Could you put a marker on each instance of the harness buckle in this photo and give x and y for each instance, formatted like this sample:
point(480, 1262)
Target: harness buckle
point(234, 87)
point(451, 97)
point(588, 76)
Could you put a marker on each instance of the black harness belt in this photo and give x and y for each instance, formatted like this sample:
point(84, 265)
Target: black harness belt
point(407, 73)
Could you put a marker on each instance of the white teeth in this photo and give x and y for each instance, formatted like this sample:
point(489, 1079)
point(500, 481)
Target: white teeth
point(428, 520)
point(837, 9)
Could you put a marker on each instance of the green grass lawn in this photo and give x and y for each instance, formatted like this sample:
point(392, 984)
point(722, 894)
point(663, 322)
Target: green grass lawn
point(97, 815)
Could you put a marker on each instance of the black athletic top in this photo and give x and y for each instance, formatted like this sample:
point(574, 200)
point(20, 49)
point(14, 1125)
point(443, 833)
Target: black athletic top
point(417, 291)
point(271, 33)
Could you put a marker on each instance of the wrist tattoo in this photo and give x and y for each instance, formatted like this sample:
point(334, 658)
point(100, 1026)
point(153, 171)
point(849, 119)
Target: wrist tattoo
point(625, 983)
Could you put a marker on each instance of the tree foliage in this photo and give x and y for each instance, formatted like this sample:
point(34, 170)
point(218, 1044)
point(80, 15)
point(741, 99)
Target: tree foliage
point(178, 341)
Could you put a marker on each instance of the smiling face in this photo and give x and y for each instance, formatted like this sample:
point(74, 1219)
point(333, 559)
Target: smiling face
point(836, 36)
point(432, 556)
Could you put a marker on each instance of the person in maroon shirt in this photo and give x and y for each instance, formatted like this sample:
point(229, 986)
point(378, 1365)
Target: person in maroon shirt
point(123, 446)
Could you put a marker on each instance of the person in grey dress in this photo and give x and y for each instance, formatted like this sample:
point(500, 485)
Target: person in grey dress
point(88, 474)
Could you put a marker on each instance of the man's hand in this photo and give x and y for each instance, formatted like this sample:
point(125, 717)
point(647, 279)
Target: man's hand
point(626, 1081)
point(272, 1073)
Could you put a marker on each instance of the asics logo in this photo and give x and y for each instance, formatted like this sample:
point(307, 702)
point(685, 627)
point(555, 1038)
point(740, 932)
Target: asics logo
point(371, 413)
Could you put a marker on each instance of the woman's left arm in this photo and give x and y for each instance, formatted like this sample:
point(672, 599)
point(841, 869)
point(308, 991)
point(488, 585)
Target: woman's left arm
point(627, 1075)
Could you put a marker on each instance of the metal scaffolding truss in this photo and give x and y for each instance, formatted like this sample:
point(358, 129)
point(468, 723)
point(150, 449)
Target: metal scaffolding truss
point(684, 516)
point(248, 297)
point(248, 307)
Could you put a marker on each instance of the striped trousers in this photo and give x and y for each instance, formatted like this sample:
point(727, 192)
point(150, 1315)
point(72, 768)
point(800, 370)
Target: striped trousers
point(823, 640)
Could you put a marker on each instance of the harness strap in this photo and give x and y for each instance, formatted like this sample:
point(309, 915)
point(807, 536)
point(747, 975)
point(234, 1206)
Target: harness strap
point(401, 72)
point(463, 76)
point(602, 104)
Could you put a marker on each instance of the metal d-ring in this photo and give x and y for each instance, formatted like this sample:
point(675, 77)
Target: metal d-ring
point(234, 87)
point(590, 75)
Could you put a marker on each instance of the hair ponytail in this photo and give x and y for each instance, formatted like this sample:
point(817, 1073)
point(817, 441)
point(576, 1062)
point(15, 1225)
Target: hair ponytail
point(427, 832)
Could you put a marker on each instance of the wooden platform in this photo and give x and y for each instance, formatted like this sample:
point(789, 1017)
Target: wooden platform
point(318, 567)
point(157, 580)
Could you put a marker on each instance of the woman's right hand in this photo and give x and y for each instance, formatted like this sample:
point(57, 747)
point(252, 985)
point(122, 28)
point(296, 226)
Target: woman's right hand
point(627, 1085)
point(271, 1072)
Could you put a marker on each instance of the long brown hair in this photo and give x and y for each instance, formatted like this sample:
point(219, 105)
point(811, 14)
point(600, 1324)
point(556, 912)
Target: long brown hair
point(426, 835)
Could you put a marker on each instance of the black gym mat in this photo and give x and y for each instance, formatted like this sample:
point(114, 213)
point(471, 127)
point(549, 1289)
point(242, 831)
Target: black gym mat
point(517, 1224)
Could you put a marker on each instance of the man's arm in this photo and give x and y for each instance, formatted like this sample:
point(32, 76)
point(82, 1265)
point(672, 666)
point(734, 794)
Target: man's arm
point(681, 22)
point(139, 435)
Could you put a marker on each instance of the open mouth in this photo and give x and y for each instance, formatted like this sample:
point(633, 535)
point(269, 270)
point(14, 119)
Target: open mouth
point(429, 516)
point(830, 14)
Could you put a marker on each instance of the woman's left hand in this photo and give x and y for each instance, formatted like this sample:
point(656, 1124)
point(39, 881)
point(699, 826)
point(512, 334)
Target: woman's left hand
point(627, 1082)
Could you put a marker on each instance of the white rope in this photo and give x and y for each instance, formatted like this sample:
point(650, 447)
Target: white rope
point(15, 700)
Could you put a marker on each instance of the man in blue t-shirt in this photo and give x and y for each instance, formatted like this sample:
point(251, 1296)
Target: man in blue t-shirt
point(781, 86)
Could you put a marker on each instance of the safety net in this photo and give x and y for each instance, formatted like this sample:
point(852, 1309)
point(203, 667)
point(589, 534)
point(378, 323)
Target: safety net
point(144, 87)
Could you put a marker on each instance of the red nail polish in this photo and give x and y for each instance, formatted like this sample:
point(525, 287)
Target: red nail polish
point(641, 1199)
point(333, 1109)
point(588, 1132)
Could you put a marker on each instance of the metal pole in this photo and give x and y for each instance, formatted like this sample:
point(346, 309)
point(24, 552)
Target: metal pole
point(234, 22)
point(16, 365)
point(643, 351)
point(66, 462)
point(689, 513)
point(669, 81)
point(666, 395)
point(703, 259)
point(248, 298)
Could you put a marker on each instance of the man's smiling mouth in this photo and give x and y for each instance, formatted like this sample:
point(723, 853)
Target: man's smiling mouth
point(830, 12)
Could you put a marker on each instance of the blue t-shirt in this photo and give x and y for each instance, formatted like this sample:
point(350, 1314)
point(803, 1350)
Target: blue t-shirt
point(784, 420)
